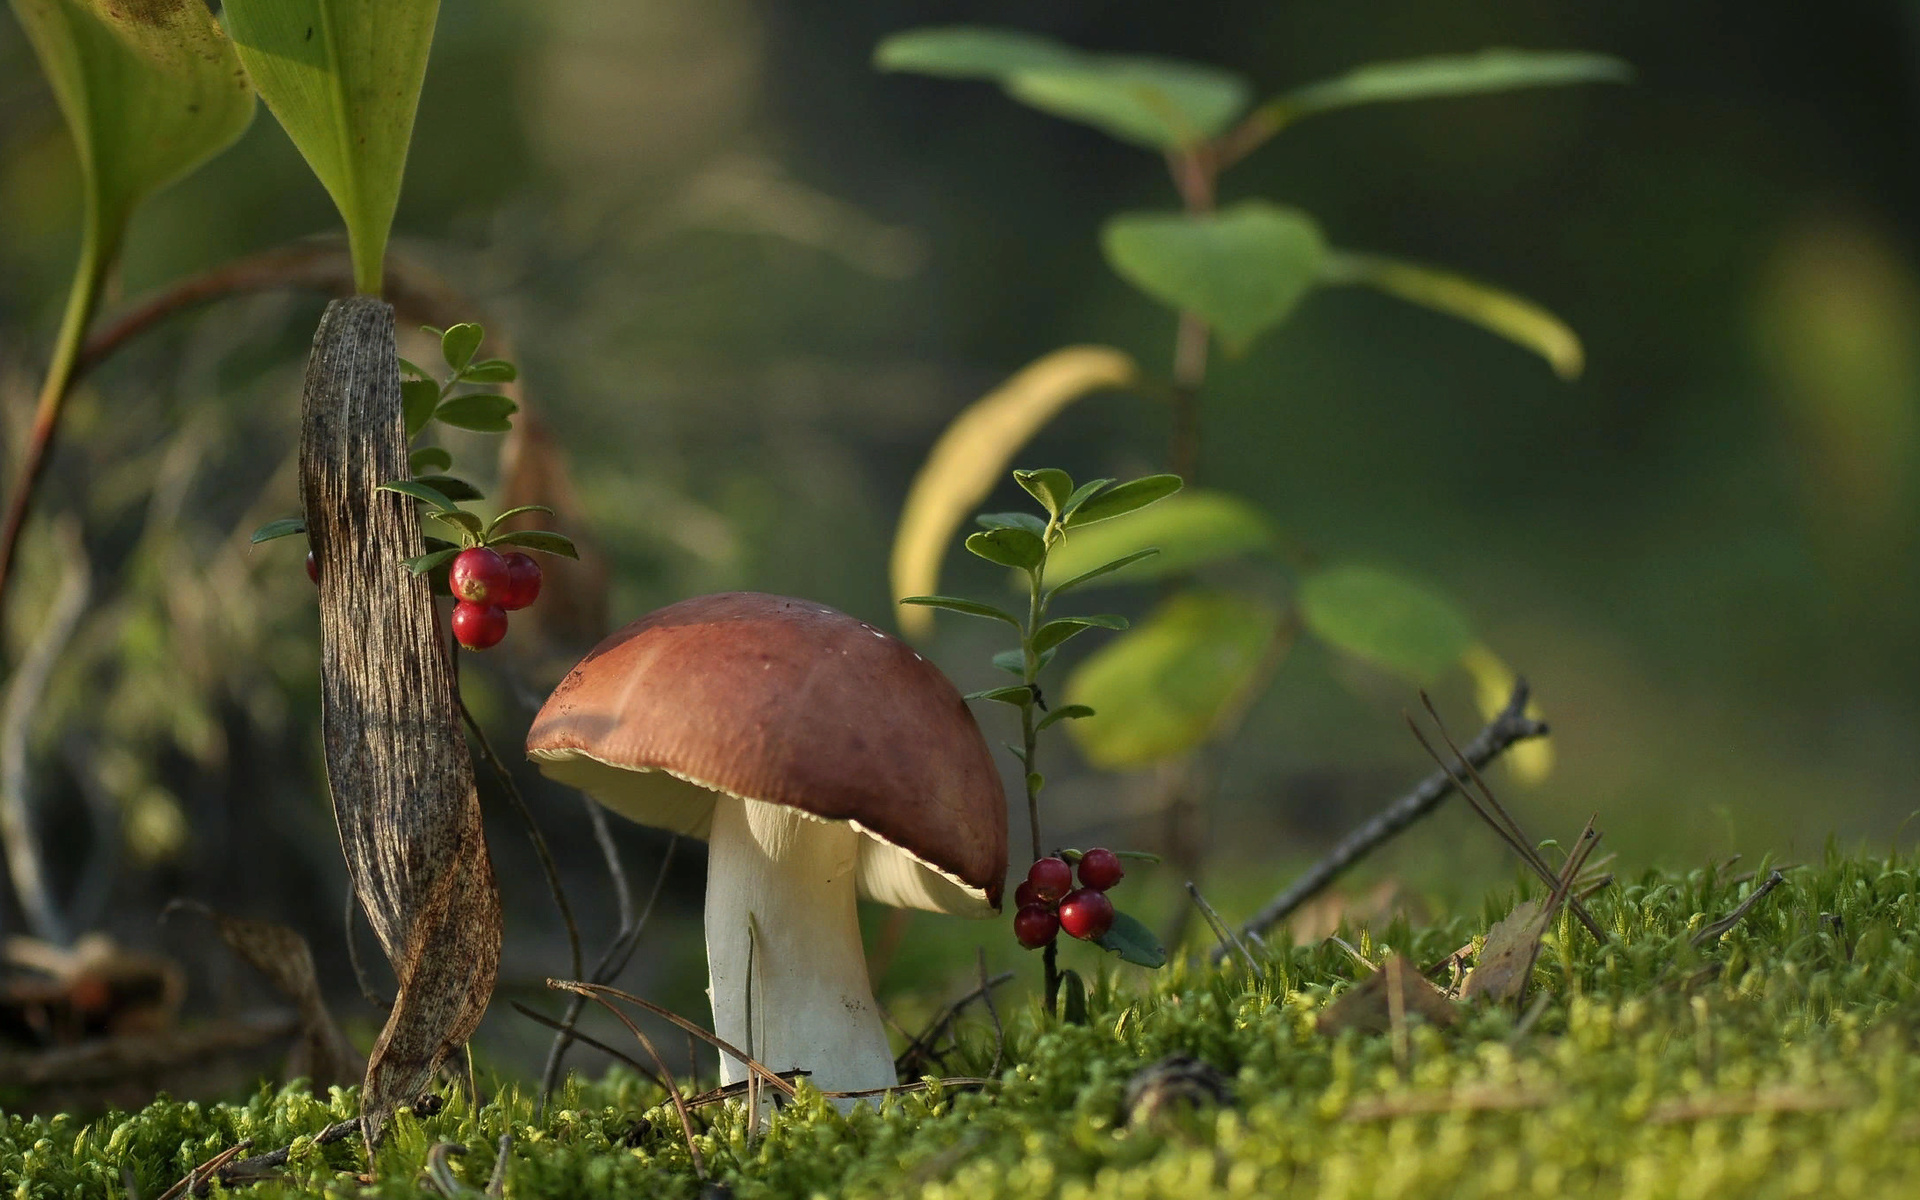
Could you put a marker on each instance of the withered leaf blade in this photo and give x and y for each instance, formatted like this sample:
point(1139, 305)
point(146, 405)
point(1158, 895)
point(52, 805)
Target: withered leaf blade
point(324, 1055)
point(397, 764)
point(1368, 1006)
point(1506, 960)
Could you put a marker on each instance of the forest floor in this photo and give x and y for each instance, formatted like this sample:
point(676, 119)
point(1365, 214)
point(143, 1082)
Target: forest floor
point(1706, 1049)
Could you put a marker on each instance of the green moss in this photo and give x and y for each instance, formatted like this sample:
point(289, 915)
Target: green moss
point(1778, 1062)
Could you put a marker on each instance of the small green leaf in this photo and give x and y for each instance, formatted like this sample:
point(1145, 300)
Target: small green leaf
point(492, 370)
point(1009, 547)
point(1191, 530)
point(344, 80)
point(419, 491)
point(459, 518)
point(1056, 631)
point(1450, 75)
point(1103, 569)
point(427, 562)
point(285, 527)
point(1138, 855)
point(1125, 498)
point(960, 604)
point(511, 513)
point(436, 543)
point(418, 399)
point(1012, 520)
point(1019, 697)
point(451, 487)
point(1242, 269)
point(1066, 712)
point(1503, 314)
point(1158, 103)
point(1385, 619)
point(969, 52)
point(484, 412)
point(429, 460)
point(1081, 495)
point(1133, 942)
point(407, 367)
point(545, 541)
point(1049, 485)
point(1013, 662)
point(458, 343)
point(1161, 687)
point(1073, 997)
point(1036, 782)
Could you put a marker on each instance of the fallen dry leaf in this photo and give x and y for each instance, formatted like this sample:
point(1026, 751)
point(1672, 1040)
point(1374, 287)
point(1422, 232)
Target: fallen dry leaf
point(1369, 1005)
point(1506, 960)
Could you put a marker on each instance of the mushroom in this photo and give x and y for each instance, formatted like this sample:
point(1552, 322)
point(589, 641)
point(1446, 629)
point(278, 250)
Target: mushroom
point(819, 758)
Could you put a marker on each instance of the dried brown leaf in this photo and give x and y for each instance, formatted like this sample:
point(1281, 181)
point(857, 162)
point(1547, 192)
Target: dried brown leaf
point(1506, 960)
point(397, 763)
point(1369, 1005)
point(324, 1054)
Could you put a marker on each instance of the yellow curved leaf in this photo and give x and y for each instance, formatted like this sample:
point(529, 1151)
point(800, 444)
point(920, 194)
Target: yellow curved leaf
point(975, 452)
point(1515, 318)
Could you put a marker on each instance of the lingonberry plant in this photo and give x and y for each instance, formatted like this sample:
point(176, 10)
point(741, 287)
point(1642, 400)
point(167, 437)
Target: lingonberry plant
point(485, 584)
point(1230, 273)
point(1026, 542)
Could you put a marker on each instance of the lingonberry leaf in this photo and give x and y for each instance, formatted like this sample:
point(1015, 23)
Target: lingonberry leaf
point(1066, 712)
point(407, 367)
point(492, 370)
point(460, 519)
point(458, 343)
point(285, 527)
point(1009, 547)
point(1013, 662)
point(483, 412)
point(429, 460)
point(452, 487)
point(1133, 942)
point(960, 604)
point(1012, 520)
point(1019, 696)
point(1059, 630)
point(504, 517)
point(418, 399)
point(419, 491)
point(1125, 498)
point(545, 541)
point(1102, 569)
point(427, 562)
point(1081, 495)
point(1049, 485)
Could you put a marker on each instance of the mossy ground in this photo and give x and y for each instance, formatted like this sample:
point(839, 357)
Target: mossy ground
point(1779, 1061)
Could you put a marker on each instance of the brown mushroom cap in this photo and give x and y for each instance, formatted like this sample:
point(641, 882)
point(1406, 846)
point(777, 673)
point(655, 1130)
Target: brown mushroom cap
point(787, 702)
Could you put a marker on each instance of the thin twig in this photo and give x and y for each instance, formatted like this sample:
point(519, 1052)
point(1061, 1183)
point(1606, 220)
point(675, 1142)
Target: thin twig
point(646, 1043)
point(597, 1044)
point(986, 994)
point(519, 803)
point(600, 992)
point(440, 1172)
point(922, 1044)
point(1710, 932)
point(611, 963)
point(197, 1179)
point(25, 862)
point(1220, 930)
point(497, 1182)
point(1510, 726)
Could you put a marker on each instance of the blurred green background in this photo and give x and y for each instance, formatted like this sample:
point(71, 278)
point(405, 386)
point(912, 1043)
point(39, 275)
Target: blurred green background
point(749, 280)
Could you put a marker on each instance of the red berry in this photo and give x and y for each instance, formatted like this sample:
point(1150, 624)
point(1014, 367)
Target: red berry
point(523, 582)
point(480, 575)
point(478, 626)
point(1100, 869)
point(1051, 879)
point(1025, 895)
point(313, 568)
point(1035, 925)
point(1086, 914)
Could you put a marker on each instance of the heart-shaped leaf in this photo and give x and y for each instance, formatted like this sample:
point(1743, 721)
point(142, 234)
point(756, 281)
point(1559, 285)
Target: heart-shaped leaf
point(1243, 269)
point(429, 460)
point(343, 77)
point(1386, 619)
point(483, 412)
point(1008, 546)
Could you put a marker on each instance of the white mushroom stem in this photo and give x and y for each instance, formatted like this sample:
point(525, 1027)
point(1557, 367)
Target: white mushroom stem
point(790, 880)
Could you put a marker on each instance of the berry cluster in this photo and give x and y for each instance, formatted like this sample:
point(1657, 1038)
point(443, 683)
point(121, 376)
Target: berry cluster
point(486, 586)
point(1048, 901)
